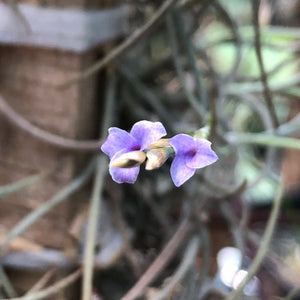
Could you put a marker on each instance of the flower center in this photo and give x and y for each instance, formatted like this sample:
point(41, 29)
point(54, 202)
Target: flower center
point(136, 147)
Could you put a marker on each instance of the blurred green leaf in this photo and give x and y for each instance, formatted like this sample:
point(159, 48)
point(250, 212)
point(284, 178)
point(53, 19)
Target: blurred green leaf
point(223, 50)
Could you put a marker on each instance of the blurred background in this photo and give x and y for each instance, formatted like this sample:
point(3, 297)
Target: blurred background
point(69, 70)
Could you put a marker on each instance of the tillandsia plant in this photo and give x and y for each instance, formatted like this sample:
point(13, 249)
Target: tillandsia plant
point(128, 150)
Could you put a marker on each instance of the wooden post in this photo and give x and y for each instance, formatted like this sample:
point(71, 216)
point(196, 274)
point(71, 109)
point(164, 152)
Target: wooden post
point(29, 75)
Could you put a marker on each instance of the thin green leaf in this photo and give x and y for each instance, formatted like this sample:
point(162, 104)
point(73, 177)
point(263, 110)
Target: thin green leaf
point(20, 184)
point(61, 195)
point(264, 139)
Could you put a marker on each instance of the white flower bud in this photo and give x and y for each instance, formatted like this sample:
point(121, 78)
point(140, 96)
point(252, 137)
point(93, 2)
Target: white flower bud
point(162, 143)
point(156, 158)
point(129, 160)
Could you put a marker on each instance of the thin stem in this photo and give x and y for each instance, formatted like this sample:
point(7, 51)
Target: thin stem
point(5, 282)
point(295, 291)
point(15, 8)
point(264, 246)
point(247, 39)
point(235, 229)
point(131, 40)
point(187, 262)
point(123, 229)
point(189, 49)
point(206, 257)
point(276, 69)
point(160, 262)
point(94, 212)
point(19, 185)
point(264, 78)
point(42, 281)
point(257, 87)
point(213, 118)
point(223, 13)
point(270, 155)
point(148, 96)
point(43, 135)
point(156, 209)
point(290, 128)
point(95, 206)
point(62, 195)
point(264, 139)
point(52, 290)
point(179, 68)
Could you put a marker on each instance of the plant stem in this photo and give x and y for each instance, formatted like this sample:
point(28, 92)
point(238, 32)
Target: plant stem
point(264, 139)
point(95, 206)
point(32, 217)
point(263, 248)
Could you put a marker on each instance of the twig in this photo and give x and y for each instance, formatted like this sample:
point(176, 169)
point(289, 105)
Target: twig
point(95, 205)
point(294, 292)
point(264, 78)
point(195, 283)
point(15, 8)
point(257, 87)
point(179, 69)
point(43, 135)
point(257, 106)
point(236, 231)
point(20, 184)
point(245, 214)
point(94, 212)
point(52, 290)
point(206, 257)
point(42, 281)
point(247, 40)
point(270, 155)
point(189, 49)
point(160, 262)
point(288, 61)
point(123, 229)
point(133, 38)
point(290, 128)
point(213, 117)
point(264, 246)
point(264, 139)
point(186, 264)
point(5, 282)
point(148, 96)
point(32, 217)
point(237, 38)
point(156, 209)
point(216, 95)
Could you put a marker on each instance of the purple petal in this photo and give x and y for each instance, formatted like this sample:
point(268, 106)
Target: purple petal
point(117, 140)
point(146, 132)
point(124, 175)
point(204, 155)
point(180, 172)
point(182, 143)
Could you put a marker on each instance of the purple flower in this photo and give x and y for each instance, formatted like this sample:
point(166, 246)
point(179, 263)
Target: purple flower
point(190, 154)
point(142, 134)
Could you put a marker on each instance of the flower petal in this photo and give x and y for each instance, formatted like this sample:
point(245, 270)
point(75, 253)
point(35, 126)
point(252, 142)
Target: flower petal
point(204, 155)
point(117, 140)
point(182, 143)
point(124, 175)
point(146, 132)
point(180, 172)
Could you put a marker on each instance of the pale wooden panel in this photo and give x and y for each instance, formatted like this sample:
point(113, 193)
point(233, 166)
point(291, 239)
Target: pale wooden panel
point(67, 29)
point(27, 78)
